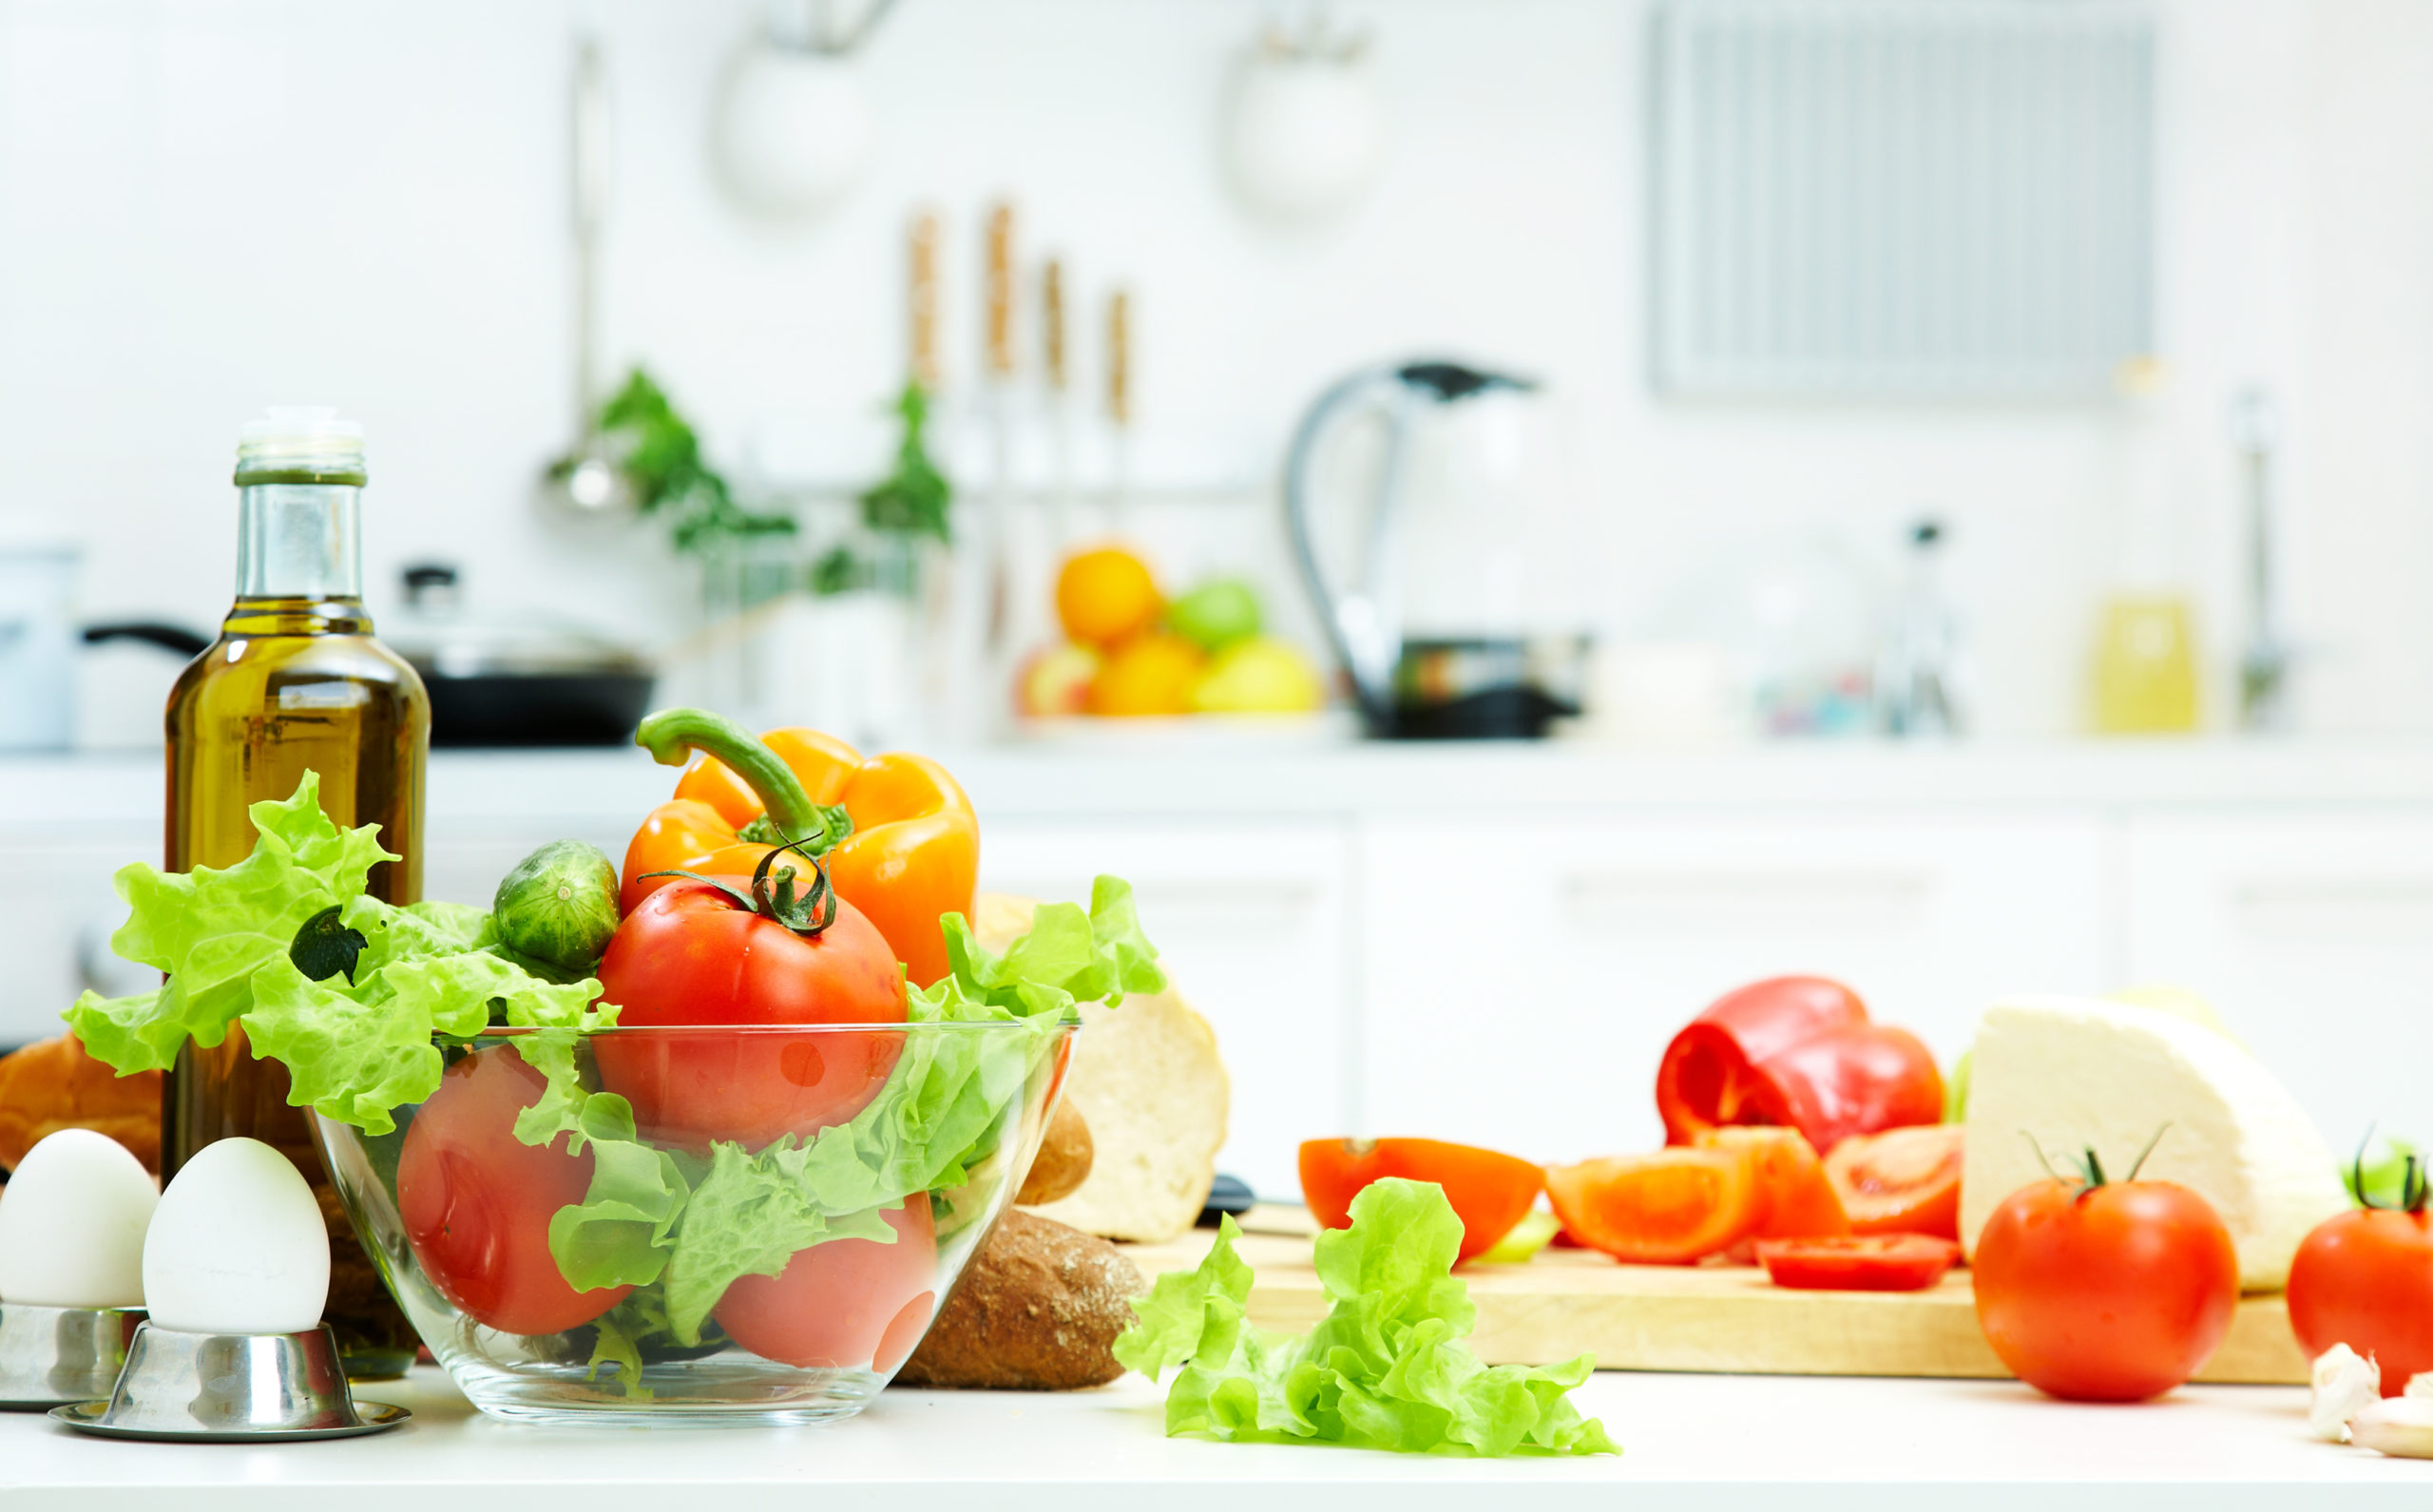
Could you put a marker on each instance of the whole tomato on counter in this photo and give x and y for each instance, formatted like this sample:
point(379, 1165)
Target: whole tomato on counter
point(1800, 1052)
point(1490, 1191)
point(1673, 1207)
point(1902, 1181)
point(895, 831)
point(2105, 1291)
point(2365, 1279)
point(476, 1202)
point(703, 951)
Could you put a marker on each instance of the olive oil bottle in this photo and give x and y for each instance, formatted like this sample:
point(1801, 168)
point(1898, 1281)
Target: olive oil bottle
point(296, 680)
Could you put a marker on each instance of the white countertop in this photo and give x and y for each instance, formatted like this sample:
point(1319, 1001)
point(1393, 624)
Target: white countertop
point(1696, 1442)
point(1165, 773)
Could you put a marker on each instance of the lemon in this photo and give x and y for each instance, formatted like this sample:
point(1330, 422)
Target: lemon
point(1106, 594)
point(1258, 675)
point(1148, 675)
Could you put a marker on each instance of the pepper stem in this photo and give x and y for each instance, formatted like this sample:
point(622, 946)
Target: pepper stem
point(672, 735)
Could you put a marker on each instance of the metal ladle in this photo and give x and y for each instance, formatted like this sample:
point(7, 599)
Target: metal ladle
point(590, 479)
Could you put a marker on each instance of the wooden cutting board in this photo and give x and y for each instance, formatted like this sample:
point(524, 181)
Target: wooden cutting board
point(1719, 1318)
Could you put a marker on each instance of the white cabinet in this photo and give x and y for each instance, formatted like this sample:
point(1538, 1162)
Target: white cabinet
point(57, 911)
point(1520, 981)
point(2314, 935)
point(1252, 921)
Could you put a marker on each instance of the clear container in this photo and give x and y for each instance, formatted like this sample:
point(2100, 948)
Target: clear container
point(855, 1126)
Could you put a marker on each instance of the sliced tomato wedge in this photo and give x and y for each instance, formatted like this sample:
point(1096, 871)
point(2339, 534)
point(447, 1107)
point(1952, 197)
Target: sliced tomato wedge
point(1489, 1191)
point(1879, 1262)
point(1796, 1198)
point(1900, 1182)
point(1676, 1206)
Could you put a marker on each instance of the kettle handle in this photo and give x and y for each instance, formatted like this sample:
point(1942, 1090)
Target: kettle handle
point(1363, 625)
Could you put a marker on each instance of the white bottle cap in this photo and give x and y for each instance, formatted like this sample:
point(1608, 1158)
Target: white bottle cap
point(310, 437)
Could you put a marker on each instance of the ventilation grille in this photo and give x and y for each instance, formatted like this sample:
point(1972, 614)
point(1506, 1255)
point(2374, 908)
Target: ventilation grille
point(1901, 197)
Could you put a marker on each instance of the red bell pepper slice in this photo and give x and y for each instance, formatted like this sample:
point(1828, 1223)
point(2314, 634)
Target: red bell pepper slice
point(1799, 1052)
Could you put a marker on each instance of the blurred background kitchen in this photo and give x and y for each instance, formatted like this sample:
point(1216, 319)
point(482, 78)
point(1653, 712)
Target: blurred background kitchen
point(1504, 518)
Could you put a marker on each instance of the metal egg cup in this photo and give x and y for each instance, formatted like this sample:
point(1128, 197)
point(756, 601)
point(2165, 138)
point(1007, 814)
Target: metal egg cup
point(256, 1388)
point(52, 1355)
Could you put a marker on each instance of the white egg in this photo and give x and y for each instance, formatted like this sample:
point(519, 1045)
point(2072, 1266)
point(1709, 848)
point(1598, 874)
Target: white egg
point(71, 1224)
point(236, 1245)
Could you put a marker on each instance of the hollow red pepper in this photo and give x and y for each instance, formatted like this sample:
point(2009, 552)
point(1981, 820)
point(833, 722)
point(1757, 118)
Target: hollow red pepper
point(895, 831)
point(1799, 1052)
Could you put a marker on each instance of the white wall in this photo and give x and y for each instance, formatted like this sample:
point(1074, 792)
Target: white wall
point(205, 207)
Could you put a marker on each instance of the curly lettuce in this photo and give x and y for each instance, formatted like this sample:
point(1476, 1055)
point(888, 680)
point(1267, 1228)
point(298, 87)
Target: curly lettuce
point(358, 1040)
point(1386, 1368)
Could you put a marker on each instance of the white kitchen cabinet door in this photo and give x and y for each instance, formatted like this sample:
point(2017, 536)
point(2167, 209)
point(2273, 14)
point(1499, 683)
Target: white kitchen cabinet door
point(57, 912)
point(1250, 922)
point(1519, 982)
point(2313, 934)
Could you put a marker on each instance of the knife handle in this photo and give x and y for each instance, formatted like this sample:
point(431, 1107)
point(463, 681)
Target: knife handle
point(922, 304)
point(1119, 357)
point(1000, 291)
point(1052, 323)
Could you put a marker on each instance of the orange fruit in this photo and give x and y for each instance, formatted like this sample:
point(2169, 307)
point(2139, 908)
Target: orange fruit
point(1152, 673)
point(1106, 594)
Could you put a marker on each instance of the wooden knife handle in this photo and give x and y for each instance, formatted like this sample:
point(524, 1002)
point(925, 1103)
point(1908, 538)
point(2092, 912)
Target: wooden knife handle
point(1052, 323)
point(1119, 357)
point(924, 300)
point(1000, 291)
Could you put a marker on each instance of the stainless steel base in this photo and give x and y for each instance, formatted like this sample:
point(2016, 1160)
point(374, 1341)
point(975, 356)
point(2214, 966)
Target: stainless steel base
point(228, 1386)
point(50, 1355)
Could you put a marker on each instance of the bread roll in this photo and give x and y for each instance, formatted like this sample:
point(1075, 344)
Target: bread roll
point(1037, 1310)
point(1063, 1159)
point(1147, 1080)
point(53, 1084)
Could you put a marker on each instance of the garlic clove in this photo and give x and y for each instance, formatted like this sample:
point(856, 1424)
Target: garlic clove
point(2401, 1426)
point(2345, 1384)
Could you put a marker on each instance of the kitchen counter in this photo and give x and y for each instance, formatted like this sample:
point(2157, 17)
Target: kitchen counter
point(1163, 771)
point(1707, 1443)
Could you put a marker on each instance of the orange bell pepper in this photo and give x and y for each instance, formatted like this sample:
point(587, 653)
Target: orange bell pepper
point(912, 849)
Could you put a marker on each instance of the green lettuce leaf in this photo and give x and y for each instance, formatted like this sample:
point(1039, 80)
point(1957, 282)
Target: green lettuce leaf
point(947, 1105)
point(212, 928)
point(1387, 1367)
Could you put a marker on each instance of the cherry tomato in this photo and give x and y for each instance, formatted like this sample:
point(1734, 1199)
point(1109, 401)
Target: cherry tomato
point(1878, 1262)
point(1489, 1192)
point(1795, 1198)
point(691, 954)
point(476, 1202)
point(2105, 1293)
point(1902, 1181)
point(845, 1304)
point(2365, 1279)
point(1669, 1208)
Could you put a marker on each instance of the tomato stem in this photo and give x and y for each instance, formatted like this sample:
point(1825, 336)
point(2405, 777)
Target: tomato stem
point(671, 736)
point(773, 897)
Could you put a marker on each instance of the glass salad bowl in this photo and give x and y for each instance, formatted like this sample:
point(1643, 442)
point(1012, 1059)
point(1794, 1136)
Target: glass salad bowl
point(695, 1224)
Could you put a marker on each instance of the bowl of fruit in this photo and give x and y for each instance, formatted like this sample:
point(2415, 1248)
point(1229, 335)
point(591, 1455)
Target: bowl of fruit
point(1131, 652)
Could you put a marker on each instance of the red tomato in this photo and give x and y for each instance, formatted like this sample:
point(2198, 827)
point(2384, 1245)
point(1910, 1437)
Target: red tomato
point(1669, 1208)
point(1902, 1181)
point(2105, 1293)
point(2365, 1279)
point(1880, 1262)
point(1489, 1192)
point(1794, 1200)
point(477, 1200)
point(689, 955)
point(845, 1304)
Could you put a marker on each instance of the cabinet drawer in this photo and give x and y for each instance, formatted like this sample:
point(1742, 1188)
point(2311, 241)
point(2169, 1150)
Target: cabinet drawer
point(1518, 986)
point(2314, 936)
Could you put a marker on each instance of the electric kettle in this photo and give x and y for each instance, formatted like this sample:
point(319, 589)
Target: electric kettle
point(1427, 528)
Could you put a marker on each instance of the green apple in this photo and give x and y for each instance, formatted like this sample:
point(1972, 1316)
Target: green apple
point(1216, 614)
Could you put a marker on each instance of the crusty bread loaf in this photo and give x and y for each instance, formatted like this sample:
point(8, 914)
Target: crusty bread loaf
point(1063, 1159)
point(1037, 1310)
point(53, 1085)
point(1148, 1081)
